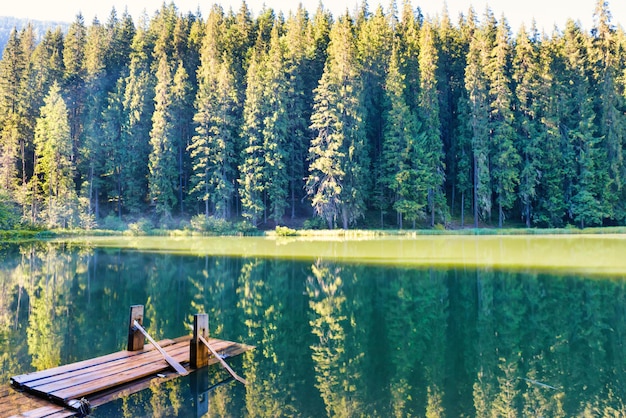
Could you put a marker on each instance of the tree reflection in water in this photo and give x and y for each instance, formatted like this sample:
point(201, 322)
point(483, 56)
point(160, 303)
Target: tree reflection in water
point(333, 339)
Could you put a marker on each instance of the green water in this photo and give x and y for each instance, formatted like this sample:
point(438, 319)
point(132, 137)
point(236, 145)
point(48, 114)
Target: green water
point(335, 335)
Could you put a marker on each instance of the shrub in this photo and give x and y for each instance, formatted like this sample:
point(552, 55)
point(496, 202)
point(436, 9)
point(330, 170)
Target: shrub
point(9, 214)
point(245, 228)
point(315, 223)
point(113, 223)
point(141, 227)
point(211, 224)
point(283, 231)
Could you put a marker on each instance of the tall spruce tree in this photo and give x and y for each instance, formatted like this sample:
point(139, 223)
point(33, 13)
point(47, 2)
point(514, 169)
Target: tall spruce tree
point(276, 126)
point(162, 180)
point(252, 180)
point(528, 78)
point(138, 109)
point(300, 76)
point(586, 176)
point(404, 148)
point(12, 72)
point(212, 149)
point(609, 107)
point(477, 86)
point(428, 111)
point(504, 156)
point(54, 169)
point(339, 160)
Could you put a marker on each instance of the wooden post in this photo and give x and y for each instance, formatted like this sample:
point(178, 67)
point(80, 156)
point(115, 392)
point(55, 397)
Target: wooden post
point(136, 338)
point(199, 353)
point(199, 383)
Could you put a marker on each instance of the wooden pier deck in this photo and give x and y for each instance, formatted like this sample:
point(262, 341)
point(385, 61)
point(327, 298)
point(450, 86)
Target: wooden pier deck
point(58, 392)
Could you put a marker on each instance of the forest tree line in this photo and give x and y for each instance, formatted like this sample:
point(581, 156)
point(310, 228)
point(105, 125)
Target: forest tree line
point(382, 118)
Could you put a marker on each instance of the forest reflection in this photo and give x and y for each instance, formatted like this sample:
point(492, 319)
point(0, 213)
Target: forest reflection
point(332, 338)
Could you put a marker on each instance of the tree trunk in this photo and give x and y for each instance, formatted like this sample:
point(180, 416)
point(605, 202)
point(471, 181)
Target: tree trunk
point(475, 192)
point(462, 209)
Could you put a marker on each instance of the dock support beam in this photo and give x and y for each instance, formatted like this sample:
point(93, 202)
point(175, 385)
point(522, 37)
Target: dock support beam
point(135, 338)
point(199, 353)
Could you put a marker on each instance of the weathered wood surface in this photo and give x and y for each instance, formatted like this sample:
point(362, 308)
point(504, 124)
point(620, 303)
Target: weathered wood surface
point(18, 404)
point(105, 378)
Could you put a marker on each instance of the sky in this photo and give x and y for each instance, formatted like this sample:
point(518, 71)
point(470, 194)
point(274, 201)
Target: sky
point(547, 13)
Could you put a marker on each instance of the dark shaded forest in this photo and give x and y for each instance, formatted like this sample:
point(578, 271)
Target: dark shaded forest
point(383, 118)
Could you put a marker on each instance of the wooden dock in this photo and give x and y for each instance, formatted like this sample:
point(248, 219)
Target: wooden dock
point(72, 389)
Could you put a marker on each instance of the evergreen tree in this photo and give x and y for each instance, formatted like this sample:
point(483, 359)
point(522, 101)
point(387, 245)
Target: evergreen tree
point(587, 175)
point(253, 178)
point(429, 116)
point(92, 164)
point(504, 156)
point(276, 127)
point(54, 168)
point(12, 72)
point(476, 84)
point(212, 149)
point(74, 78)
point(182, 118)
point(609, 107)
point(529, 89)
point(138, 109)
point(299, 78)
point(338, 154)
point(162, 180)
point(404, 149)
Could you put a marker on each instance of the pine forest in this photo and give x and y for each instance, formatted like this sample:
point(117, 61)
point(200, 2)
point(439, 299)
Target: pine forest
point(379, 118)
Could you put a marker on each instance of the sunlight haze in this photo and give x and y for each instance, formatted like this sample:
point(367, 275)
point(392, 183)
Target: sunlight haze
point(546, 13)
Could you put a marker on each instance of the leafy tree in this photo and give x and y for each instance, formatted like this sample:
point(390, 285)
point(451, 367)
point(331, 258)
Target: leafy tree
point(338, 154)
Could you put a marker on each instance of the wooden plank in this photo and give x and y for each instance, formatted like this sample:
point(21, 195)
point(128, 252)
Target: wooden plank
point(112, 376)
point(93, 386)
point(102, 369)
point(224, 364)
point(229, 348)
point(180, 369)
point(104, 378)
point(53, 411)
point(24, 379)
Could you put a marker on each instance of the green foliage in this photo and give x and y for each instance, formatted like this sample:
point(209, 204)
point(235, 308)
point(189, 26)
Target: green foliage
point(141, 227)
point(283, 231)
point(113, 223)
point(371, 115)
point(211, 224)
point(315, 223)
point(9, 213)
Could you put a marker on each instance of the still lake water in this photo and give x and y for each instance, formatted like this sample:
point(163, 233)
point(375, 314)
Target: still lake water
point(335, 337)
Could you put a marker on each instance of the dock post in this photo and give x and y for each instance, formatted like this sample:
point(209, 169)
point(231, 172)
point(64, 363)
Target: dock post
point(135, 336)
point(199, 353)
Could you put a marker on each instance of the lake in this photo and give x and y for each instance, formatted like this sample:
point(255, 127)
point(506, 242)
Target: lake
point(413, 326)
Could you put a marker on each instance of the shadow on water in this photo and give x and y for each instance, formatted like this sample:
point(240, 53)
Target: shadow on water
point(333, 338)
